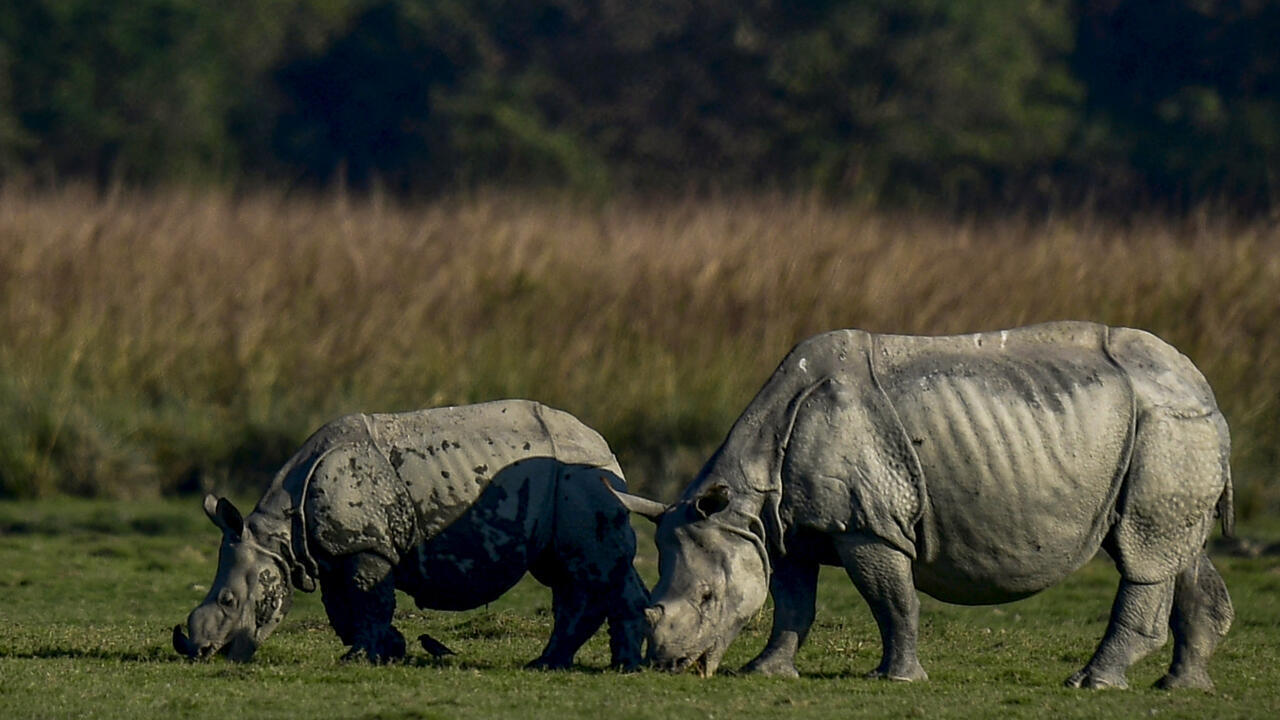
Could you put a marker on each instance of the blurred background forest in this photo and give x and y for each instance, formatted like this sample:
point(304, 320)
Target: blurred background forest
point(222, 224)
point(940, 102)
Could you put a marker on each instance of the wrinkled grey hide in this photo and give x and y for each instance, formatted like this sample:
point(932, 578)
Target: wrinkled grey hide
point(979, 469)
point(450, 505)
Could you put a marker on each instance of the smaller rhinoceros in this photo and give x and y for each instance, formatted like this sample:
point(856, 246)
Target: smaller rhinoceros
point(979, 469)
point(450, 505)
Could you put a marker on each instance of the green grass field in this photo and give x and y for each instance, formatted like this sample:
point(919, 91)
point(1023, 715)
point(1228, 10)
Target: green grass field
point(90, 589)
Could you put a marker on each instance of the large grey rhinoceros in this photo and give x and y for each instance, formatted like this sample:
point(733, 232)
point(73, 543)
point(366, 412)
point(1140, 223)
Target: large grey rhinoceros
point(978, 468)
point(452, 506)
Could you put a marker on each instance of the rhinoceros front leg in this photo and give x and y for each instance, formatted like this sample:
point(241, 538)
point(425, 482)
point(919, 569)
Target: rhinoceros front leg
point(589, 568)
point(1202, 614)
point(1138, 625)
point(882, 575)
point(794, 587)
point(359, 596)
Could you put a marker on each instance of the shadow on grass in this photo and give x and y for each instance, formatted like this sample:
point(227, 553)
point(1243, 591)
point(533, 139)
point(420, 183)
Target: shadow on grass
point(59, 653)
point(105, 523)
point(158, 654)
point(433, 709)
point(483, 664)
point(154, 655)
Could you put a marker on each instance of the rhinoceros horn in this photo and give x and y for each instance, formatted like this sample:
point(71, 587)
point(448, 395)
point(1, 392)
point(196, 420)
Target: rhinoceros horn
point(654, 614)
point(651, 509)
point(182, 644)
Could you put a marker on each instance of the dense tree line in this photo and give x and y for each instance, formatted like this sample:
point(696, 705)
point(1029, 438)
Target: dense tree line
point(930, 101)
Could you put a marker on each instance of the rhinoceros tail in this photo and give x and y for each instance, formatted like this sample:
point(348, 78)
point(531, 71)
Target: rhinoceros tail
point(1226, 505)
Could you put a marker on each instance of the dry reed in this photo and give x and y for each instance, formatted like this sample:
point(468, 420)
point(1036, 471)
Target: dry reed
point(176, 340)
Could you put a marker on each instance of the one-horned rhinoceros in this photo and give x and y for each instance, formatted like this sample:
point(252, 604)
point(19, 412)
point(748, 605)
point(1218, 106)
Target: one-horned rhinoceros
point(452, 506)
point(978, 468)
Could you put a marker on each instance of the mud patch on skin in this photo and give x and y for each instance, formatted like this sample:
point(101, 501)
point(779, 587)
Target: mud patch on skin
point(609, 524)
point(275, 601)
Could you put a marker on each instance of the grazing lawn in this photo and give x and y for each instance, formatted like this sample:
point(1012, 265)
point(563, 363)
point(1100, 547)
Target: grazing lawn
point(89, 591)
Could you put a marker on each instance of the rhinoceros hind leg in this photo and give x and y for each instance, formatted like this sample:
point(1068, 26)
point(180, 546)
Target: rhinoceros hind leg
point(589, 568)
point(882, 575)
point(794, 587)
point(359, 597)
point(576, 619)
point(1138, 625)
point(1202, 614)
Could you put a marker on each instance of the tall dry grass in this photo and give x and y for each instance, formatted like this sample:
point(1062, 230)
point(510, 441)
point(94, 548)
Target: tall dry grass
point(170, 340)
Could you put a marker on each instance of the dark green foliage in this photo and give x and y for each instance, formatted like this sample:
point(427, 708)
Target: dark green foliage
point(938, 102)
point(141, 89)
point(926, 97)
point(363, 105)
point(1184, 95)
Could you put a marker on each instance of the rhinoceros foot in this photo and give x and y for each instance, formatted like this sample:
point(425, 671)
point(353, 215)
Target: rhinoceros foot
point(1193, 679)
point(774, 667)
point(388, 647)
point(1095, 680)
point(908, 673)
point(543, 663)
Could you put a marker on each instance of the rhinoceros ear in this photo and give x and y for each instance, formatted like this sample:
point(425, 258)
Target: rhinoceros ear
point(224, 515)
point(712, 501)
point(301, 578)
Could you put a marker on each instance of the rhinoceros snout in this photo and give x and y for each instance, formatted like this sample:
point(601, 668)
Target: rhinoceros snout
point(702, 664)
point(183, 645)
point(188, 649)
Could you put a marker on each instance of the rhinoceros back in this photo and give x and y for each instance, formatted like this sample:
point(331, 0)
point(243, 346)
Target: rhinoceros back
point(447, 456)
point(574, 443)
point(387, 482)
point(1162, 377)
point(1023, 437)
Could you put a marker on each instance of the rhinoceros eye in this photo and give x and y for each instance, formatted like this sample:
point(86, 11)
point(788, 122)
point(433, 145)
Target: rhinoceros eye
point(227, 599)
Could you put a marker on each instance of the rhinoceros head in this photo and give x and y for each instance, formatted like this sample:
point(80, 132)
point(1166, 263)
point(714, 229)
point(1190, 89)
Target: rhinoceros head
point(713, 574)
point(249, 597)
